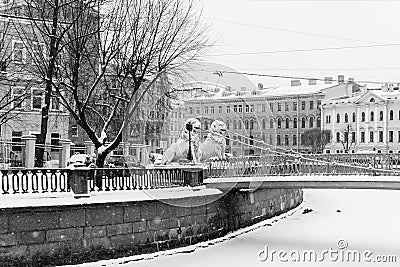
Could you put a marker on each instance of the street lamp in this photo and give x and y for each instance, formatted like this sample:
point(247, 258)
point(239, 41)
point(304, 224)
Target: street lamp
point(189, 127)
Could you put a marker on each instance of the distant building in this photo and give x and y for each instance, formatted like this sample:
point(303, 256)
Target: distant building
point(276, 116)
point(366, 121)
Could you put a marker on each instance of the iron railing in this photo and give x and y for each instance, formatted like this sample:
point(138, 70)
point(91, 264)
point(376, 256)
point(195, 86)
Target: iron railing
point(390, 161)
point(115, 179)
point(281, 165)
point(34, 181)
point(56, 181)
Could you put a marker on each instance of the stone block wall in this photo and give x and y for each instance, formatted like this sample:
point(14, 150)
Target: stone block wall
point(73, 234)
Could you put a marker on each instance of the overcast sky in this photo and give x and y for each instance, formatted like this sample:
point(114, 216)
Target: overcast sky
point(252, 26)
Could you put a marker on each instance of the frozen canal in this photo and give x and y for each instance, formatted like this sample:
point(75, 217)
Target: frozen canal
point(344, 228)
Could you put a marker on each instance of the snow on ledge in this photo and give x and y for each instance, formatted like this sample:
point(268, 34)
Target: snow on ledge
point(67, 199)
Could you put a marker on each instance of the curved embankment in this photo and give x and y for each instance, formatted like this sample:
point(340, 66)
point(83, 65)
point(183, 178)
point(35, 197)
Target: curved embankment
point(108, 225)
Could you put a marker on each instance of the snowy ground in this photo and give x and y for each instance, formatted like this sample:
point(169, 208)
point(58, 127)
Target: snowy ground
point(367, 221)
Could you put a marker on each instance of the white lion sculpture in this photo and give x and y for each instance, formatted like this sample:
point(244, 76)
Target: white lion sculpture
point(214, 145)
point(179, 150)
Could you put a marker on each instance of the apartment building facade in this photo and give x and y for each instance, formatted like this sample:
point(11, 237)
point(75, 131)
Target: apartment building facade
point(276, 117)
point(367, 121)
point(20, 90)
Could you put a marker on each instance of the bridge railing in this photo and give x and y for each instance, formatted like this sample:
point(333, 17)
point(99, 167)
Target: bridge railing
point(390, 161)
point(84, 180)
point(281, 165)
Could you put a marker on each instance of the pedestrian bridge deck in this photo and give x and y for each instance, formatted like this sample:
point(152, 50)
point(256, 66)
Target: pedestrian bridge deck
point(306, 182)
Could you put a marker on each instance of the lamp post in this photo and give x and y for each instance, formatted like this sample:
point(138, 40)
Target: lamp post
point(189, 127)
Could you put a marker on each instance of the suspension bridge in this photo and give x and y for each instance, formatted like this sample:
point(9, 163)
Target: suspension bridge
point(280, 168)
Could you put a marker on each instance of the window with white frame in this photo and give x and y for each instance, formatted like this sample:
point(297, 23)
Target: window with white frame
point(37, 98)
point(18, 96)
point(55, 139)
point(18, 52)
point(55, 102)
point(74, 130)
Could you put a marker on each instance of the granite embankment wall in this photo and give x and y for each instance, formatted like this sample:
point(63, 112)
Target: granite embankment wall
point(68, 234)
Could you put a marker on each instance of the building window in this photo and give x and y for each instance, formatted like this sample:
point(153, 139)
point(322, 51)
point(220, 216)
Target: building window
point(380, 136)
point(278, 140)
point(286, 106)
point(251, 124)
point(398, 136)
point(235, 108)
point(354, 117)
point(381, 115)
point(338, 118)
point(371, 137)
point(206, 110)
point(198, 110)
point(74, 130)
point(279, 107)
point(346, 117)
point(353, 137)
point(251, 108)
point(234, 125)
point(239, 124)
point(37, 98)
point(372, 116)
point(271, 139)
point(303, 123)
point(279, 123)
point(55, 103)
point(363, 116)
point(318, 122)
point(294, 140)
point(55, 139)
point(327, 119)
point(303, 105)
point(246, 124)
point(219, 109)
point(264, 122)
point(228, 109)
point(16, 137)
point(228, 124)
point(311, 122)
point(263, 108)
point(190, 110)
point(286, 140)
point(311, 104)
point(18, 52)
point(337, 137)
point(240, 109)
point(271, 123)
point(295, 123)
point(391, 136)
point(362, 139)
point(212, 110)
point(391, 115)
point(247, 108)
point(18, 96)
point(294, 106)
point(271, 106)
point(287, 123)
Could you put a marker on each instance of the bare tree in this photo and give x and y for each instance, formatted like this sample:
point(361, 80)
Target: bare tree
point(347, 139)
point(136, 44)
point(49, 24)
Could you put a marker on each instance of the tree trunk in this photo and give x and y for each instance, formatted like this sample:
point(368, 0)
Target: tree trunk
point(49, 87)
